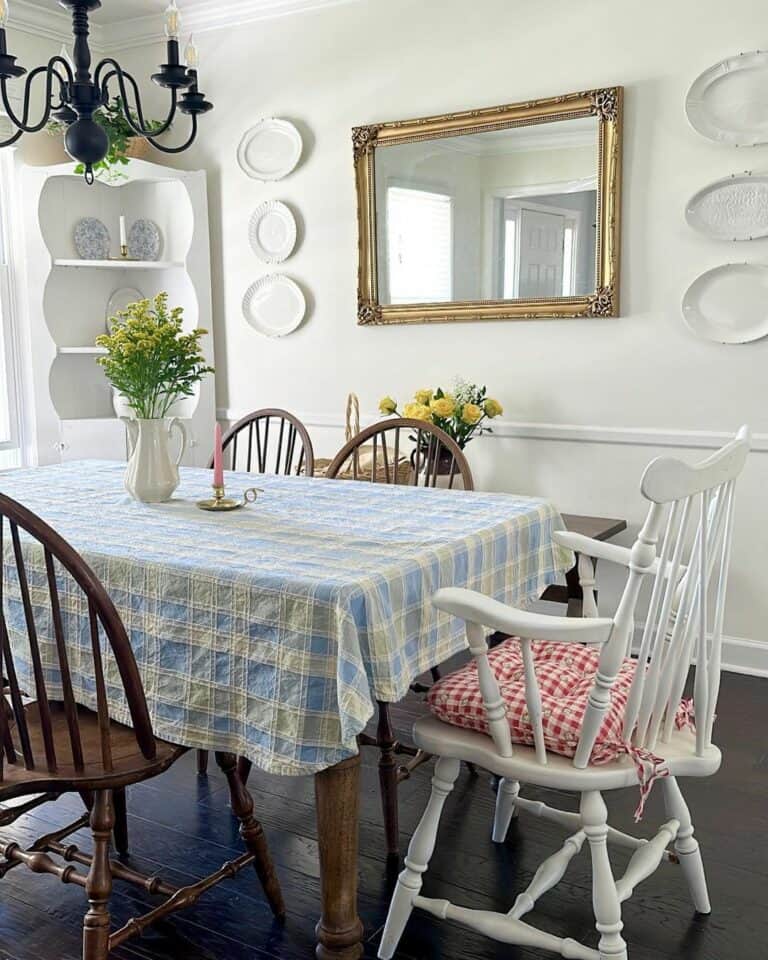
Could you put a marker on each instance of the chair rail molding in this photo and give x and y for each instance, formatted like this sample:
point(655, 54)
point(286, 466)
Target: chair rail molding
point(567, 432)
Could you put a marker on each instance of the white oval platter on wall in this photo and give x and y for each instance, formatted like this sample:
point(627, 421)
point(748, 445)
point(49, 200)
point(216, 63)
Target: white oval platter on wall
point(274, 305)
point(270, 150)
point(272, 232)
point(728, 103)
point(729, 304)
point(735, 208)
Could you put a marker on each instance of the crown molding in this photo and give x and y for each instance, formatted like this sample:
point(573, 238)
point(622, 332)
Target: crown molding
point(203, 16)
point(200, 16)
point(49, 24)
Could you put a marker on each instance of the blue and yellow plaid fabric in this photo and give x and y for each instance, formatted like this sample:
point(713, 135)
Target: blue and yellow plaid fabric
point(270, 631)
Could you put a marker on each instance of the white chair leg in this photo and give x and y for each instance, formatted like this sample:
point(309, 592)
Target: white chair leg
point(506, 796)
point(419, 854)
point(687, 846)
point(605, 900)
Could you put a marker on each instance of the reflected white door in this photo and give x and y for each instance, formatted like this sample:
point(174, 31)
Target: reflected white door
point(541, 254)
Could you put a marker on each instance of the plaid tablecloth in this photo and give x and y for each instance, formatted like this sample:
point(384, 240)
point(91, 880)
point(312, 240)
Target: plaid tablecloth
point(270, 631)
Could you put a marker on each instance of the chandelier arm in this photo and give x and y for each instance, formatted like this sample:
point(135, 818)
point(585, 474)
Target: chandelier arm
point(140, 129)
point(183, 147)
point(23, 125)
point(11, 140)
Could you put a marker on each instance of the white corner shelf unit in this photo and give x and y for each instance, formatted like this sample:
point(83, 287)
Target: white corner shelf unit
point(67, 299)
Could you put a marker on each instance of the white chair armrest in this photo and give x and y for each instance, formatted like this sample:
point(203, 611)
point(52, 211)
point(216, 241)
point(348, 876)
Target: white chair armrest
point(598, 549)
point(476, 608)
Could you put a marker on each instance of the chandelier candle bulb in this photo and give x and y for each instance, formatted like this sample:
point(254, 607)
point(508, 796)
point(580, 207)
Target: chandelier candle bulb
point(3, 13)
point(172, 21)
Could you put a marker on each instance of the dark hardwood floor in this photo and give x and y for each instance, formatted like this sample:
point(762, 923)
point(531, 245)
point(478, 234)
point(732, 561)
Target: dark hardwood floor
point(181, 827)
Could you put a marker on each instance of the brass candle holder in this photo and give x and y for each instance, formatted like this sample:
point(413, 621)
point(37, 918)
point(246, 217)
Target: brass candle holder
point(124, 254)
point(220, 503)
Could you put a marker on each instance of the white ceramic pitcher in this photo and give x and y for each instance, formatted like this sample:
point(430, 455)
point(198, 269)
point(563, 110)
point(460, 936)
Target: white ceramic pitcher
point(152, 475)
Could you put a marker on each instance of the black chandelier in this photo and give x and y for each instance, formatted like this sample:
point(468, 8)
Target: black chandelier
point(73, 94)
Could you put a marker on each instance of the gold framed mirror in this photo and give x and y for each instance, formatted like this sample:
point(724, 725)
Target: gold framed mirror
point(503, 213)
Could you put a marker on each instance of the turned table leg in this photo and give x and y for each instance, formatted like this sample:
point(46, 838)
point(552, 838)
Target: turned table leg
point(337, 801)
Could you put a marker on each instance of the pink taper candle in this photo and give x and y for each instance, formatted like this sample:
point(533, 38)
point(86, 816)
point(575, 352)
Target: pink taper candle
point(218, 458)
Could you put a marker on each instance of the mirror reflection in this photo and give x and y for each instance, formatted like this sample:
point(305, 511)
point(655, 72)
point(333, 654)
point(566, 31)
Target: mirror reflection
point(500, 215)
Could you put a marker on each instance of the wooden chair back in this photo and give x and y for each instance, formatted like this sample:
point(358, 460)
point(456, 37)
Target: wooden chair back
point(32, 599)
point(269, 441)
point(389, 443)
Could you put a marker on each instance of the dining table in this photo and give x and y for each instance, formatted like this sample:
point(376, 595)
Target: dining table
point(271, 631)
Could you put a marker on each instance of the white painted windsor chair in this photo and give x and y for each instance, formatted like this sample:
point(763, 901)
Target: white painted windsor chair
point(691, 517)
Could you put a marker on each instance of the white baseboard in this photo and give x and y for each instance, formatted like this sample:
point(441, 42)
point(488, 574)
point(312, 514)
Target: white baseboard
point(739, 654)
point(745, 656)
point(568, 432)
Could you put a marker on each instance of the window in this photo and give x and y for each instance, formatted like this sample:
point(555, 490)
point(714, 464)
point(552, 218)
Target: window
point(10, 439)
point(419, 246)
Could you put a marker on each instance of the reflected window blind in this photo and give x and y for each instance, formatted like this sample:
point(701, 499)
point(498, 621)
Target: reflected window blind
point(420, 246)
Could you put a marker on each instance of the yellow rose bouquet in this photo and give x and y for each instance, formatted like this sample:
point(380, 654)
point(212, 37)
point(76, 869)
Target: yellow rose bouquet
point(462, 413)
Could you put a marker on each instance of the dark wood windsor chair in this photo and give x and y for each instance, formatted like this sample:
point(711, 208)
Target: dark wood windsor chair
point(268, 441)
point(51, 745)
point(434, 458)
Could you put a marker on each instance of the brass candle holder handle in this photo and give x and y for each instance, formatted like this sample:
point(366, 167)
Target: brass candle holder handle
point(219, 503)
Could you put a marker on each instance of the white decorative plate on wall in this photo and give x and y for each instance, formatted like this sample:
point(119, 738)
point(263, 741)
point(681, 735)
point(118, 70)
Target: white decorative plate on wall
point(274, 305)
point(272, 232)
point(735, 208)
point(728, 103)
point(270, 150)
point(145, 241)
point(120, 299)
point(91, 239)
point(729, 304)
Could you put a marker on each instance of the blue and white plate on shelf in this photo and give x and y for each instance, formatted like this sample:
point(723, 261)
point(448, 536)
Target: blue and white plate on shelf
point(145, 241)
point(91, 239)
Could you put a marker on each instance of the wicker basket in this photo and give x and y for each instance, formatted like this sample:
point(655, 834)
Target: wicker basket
point(137, 149)
point(364, 455)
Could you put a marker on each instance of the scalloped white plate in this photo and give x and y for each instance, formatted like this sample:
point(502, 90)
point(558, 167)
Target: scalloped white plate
point(270, 150)
point(727, 103)
point(274, 305)
point(729, 304)
point(272, 232)
point(734, 208)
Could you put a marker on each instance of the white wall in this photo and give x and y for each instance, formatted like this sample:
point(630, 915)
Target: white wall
point(386, 59)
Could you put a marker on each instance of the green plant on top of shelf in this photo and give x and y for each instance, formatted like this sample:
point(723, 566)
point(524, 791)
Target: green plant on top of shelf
point(122, 139)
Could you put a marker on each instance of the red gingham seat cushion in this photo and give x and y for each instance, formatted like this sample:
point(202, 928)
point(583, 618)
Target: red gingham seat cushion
point(565, 673)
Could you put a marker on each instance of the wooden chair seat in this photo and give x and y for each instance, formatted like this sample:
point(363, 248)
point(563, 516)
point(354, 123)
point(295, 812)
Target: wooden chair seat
point(128, 763)
point(442, 739)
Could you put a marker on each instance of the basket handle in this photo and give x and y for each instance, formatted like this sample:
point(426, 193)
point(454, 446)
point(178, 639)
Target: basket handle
point(353, 416)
